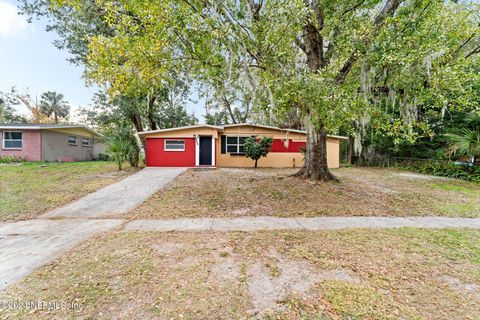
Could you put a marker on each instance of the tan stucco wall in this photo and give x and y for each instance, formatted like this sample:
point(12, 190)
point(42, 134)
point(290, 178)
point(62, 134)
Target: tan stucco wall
point(333, 153)
point(55, 146)
point(278, 159)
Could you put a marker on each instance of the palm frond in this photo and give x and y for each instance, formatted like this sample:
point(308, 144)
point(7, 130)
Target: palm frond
point(464, 143)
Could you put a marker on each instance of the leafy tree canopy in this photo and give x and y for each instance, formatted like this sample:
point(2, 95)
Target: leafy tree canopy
point(329, 63)
point(7, 113)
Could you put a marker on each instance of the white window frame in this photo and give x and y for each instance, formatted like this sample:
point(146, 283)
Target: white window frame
point(235, 144)
point(10, 148)
point(173, 150)
point(87, 145)
point(72, 144)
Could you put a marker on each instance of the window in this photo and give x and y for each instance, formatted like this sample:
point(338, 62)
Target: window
point(235, 144)
point(85, 142)
point(174, 145)
point(12, 139)
point(72, 140)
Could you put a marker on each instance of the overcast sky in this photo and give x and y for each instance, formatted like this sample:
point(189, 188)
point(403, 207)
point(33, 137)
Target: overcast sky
point(29, 61)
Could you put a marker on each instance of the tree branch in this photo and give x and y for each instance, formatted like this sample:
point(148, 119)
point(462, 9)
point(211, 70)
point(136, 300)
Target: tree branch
point(300, 44)
point(353, 8)
point(474, 51)
point(388, 10)
point(229, 108)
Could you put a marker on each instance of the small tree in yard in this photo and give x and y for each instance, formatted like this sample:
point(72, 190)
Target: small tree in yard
point(255, 150)
point(122, 146)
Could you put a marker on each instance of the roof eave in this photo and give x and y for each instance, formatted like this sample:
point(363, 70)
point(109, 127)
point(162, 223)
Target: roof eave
point(143, 133)
point(179, 128)
point(13, 127)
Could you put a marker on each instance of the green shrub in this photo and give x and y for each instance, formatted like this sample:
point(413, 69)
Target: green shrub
point(103, 157)
point(122, 145)
point(11, 159)
point(442, 169)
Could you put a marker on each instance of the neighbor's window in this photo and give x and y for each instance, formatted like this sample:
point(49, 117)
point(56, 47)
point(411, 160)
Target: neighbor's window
point(174, 145)
point(85, 142)
point(72, 140)
point(12, 139)
point(235, 144)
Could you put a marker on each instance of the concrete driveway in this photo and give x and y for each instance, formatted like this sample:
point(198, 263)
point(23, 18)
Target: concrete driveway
point(119, 198)
point(27, 245)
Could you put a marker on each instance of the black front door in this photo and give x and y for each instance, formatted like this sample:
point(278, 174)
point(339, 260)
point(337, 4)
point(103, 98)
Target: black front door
point(205, 151)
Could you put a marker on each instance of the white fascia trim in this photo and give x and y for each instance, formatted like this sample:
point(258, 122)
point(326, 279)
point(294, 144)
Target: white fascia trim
point(213, 151)
point(197, 151)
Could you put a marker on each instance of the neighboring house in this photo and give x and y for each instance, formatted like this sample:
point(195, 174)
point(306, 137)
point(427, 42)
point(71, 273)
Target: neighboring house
point(222, 146)
point(49, 142)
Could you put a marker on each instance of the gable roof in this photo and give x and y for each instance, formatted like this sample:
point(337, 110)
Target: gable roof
point(40, 126)
point(221, 128)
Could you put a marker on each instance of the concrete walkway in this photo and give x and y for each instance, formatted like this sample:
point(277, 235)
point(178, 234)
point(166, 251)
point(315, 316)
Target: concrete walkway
point(119, 198)
point(320, 223)
point(26, 245)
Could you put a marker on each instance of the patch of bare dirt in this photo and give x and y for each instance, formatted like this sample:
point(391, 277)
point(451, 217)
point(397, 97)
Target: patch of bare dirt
point(168, 247)
point(225, 269)
point(339, 275)
point(414, 176)
point(460, 287)
point(269, 286)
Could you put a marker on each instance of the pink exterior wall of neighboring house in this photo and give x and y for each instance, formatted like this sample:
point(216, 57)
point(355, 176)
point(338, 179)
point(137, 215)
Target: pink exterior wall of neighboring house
point(31, 149)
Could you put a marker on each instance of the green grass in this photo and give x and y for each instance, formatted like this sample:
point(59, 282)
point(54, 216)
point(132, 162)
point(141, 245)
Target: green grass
point(29, 189)
point(456, 187)
point(458, 209)
point(466, 196)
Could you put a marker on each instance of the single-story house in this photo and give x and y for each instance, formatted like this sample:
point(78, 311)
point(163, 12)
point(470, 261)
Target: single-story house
point(223, 146)
point(50, 142)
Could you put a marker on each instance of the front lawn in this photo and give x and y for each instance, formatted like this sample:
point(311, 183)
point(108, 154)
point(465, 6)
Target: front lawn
point(29, 189)
point(272, 192)
point(353, 274)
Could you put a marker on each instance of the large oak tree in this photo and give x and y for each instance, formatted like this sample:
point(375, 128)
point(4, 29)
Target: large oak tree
point(326, 62)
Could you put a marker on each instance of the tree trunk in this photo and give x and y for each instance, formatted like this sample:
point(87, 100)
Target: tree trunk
point(256, 161)
point(137, 123)
point(312, 44)
point(350, 150)
point(151, 111)
point(315, 166)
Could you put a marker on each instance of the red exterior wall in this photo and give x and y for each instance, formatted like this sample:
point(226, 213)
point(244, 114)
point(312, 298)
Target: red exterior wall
point(278, 145)
point(31, 145)
point(156, 156)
